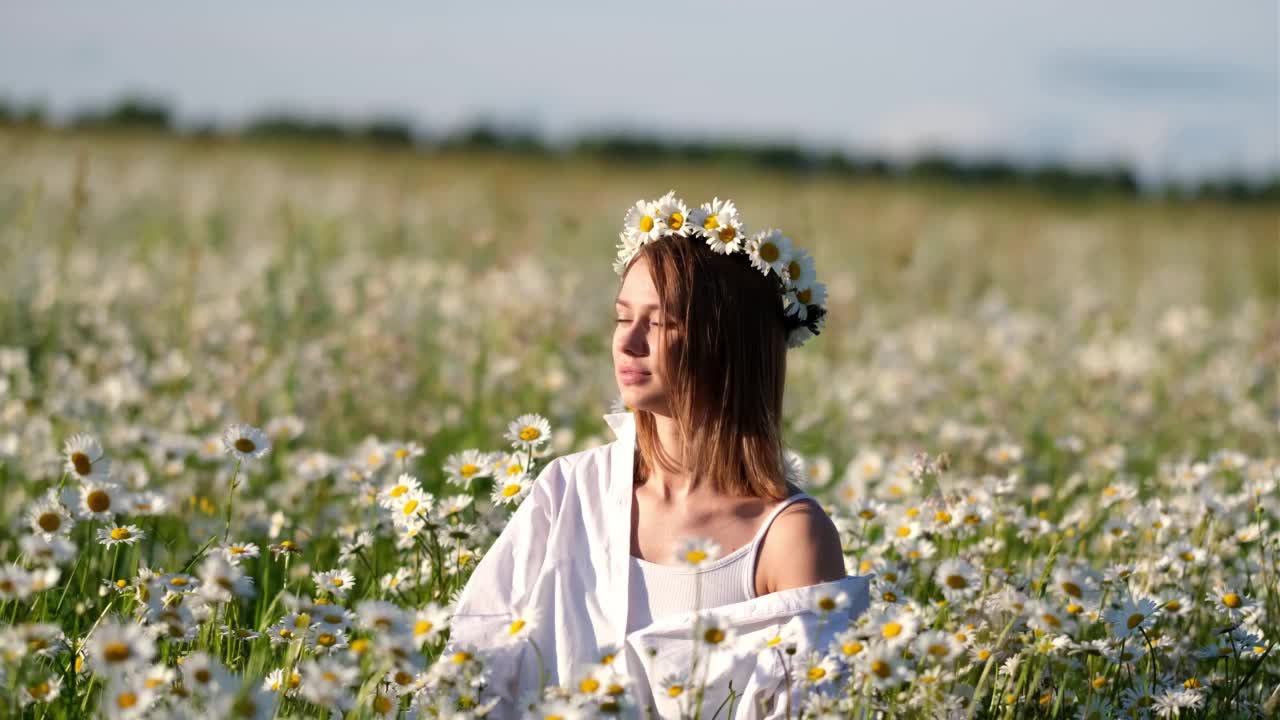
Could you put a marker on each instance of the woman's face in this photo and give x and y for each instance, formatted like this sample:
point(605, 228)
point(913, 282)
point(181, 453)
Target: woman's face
point(638, 340)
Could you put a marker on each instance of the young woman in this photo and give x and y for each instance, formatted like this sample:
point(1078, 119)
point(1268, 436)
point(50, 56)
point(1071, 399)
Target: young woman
point(684, 542)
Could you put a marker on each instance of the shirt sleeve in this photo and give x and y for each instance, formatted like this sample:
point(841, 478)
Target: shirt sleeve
point(504, 580)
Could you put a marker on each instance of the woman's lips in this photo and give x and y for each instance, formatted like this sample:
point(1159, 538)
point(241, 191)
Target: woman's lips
point(632, 377)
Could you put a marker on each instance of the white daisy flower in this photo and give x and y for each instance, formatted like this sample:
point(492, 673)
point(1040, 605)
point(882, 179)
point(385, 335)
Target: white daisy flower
point(1131, 616)
point(125, 697)
point(817, 668)
point(885, 667)
point(326, 641)
point(85, 458)
point(627, 249)
point(511, 491)
point(831, 602)
point(335, 582)
point(235, 552)
point(119, 646)
point(45, 691)
point(275, 682)
point(958, 579)
point(120, 535)
point(389, 496)
point(799, 270)
point(146, 503)
point(461, 468)
point(893, 625)
point(642, 224)
point(410, 507)
point(220, 580)
point(718, 222)
point(245, 442)
point(938, 646)
point(1075, 585)
point(99, 500)
point(714, 633)
point(54, 550)
point(769, 250)
point(48, 518)
point(15, 583)
point(529, 431)
point(203, 674)
point(697, 552)
point(1229, 600)
point(799, 298)
point(429, 621)
point(521, 626)
point(285, 428)
point(673, 214)
point(380, 616)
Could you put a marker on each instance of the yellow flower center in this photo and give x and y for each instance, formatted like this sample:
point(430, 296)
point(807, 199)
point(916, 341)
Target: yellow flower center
point(120, 533)
point(382, 704)
point(957, 582)
point(713, 635)
point(38, 690)
point(326, 640)
point(851, 648)
point(1071, 589)
point(245, 445)
point(1134, 620)
point(81, 463)
point(693, 557)
point(827, 603)
point(422, 627)
point(530, 433)
point(511, 490)
point(116, 652)
point(410, 507)
point(805, 295)
point(646, 224)
point(468, 470)
point(675, 690)
point(769, 252)
point(398, 490)
point(589, 685)
point(794, 269)
point(881, 668)
point(49, 522)
point(727, 235)
point(816, 673)
point(460, 657)
point(98, 501)
point(891, 630)
point(126, 700)
point(711, 223)
point(515, 626)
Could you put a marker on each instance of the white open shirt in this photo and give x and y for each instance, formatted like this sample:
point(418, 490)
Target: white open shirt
point(565, 554)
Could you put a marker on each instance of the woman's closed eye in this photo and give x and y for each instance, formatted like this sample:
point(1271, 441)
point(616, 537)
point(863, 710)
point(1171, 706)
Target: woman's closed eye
point(652, 323)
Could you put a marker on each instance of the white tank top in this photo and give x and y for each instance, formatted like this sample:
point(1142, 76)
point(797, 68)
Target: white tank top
point(658, 590)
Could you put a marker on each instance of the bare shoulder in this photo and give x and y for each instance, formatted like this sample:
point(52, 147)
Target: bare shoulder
point(801, 547)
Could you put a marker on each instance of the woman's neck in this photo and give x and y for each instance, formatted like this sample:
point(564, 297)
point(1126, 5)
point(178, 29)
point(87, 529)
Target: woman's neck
point(667, 485)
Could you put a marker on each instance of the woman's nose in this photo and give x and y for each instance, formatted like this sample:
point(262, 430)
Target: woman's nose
point(635, 342)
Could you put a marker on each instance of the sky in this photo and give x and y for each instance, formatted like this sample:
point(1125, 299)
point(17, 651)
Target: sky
point(1180, 90)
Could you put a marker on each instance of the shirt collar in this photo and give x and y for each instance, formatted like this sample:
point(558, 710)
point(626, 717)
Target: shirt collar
point(623, 424)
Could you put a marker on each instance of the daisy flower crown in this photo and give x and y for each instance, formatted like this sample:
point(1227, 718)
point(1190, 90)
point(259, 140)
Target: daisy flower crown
point(802, 298)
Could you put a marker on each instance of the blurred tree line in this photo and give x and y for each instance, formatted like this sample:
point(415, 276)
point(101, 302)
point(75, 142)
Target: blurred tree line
point(138, 113)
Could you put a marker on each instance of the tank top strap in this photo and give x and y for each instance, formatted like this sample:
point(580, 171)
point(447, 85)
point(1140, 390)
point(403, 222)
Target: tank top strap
point(764, 527)
point(749, 582)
